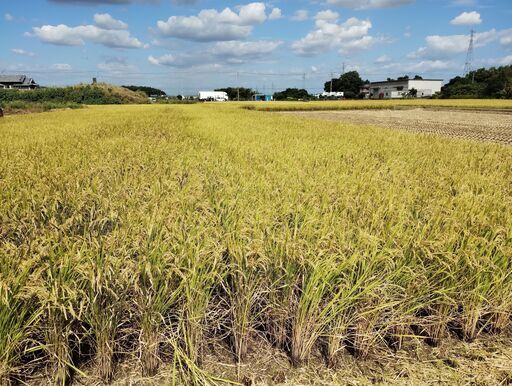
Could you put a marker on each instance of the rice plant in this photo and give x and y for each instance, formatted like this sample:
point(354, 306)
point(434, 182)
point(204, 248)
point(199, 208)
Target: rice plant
point(153, 235)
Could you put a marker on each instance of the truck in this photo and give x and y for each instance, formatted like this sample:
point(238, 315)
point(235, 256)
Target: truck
point(213, 96)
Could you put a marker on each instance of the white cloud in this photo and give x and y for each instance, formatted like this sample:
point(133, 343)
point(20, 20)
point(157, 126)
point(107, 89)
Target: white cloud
point(467, 18)
point(506, 40)
point(350, 35)
point(8, 17)
point(76, 36)
point(327, 15)
point(238, 52)
point(195, 60)
point(225, 52)
point(19, 51)
point(438, 47)
point(431, 65)
point(383, 59)
point(106, 21)
point(275, 14)
point(212, 25)
point(369, 4)
point(503, 61)
point(61, 67)
point(300, 15)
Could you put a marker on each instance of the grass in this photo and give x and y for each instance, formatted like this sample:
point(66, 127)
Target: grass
point(144, 233)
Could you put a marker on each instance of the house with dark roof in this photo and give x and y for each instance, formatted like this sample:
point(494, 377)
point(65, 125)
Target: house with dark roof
point(17, 82)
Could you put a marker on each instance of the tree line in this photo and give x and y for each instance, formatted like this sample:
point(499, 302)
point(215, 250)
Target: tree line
point(494, 82)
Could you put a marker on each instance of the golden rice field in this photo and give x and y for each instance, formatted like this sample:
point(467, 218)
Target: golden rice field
point(149, 234)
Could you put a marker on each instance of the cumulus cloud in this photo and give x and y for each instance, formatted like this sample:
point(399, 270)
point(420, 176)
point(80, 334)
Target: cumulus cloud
point(421, 67)
point(240, 52)
point(106, 21)
point(213, 25)
point(19, 51)
point(76, 36)
point(369, 4)
point(349, 35)
point(8, 17)
point(225, 52)
point(327, 15)
point(467, 18)
point(275, 14)
point(431, 65)
point(438, 47)
point(300, 15)
point(180, 60)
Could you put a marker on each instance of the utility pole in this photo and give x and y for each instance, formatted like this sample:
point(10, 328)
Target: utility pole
point(331, 80)
point(304, 81)
point(343, 68)
point(468, 66)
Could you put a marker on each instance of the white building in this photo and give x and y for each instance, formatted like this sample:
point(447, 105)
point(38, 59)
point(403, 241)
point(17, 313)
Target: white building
point(332, 95)
point(213, 96)
point(400, 88)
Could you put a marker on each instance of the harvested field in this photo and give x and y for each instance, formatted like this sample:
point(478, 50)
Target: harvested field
point(482, 125)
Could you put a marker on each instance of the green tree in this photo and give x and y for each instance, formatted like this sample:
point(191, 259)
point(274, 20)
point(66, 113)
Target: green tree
point(491, 82)
point(292, 94)
point(246, 94)
point(349, 82)
point(149, 91)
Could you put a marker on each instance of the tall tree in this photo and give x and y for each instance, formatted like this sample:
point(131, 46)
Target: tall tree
point(291, 94)
point(349, 82)
point(233, 92)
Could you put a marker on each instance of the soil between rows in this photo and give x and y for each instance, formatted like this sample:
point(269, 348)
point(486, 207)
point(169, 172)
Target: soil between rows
point(476, 125)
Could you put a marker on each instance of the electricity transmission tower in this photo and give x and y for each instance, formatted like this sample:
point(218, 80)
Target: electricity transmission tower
point(468, 66)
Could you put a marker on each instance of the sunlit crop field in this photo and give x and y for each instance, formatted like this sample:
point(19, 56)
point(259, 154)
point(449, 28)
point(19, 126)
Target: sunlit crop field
point(145, 232)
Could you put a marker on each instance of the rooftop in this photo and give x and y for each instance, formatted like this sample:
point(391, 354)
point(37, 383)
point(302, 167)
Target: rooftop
point(406, 80)
point(19, 79)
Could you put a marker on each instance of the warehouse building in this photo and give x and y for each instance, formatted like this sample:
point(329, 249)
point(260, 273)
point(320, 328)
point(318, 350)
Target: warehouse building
point(394, 89)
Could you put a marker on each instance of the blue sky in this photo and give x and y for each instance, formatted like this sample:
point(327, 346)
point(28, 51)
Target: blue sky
point(182, 46)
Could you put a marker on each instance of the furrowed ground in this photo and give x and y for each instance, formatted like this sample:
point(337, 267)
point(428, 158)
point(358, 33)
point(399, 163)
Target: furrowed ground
point(486, 126)
point(205, 243)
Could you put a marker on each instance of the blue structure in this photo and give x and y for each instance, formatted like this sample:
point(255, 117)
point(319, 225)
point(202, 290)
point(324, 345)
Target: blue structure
point(263, 98)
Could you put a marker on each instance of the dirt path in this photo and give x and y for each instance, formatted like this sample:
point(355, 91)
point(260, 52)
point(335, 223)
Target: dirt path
point(482, 126)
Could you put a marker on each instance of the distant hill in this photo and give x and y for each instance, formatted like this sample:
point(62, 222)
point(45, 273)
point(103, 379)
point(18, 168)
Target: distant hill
point(97, 94)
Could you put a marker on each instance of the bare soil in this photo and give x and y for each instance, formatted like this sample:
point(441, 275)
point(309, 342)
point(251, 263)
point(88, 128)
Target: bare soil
point(485, 126)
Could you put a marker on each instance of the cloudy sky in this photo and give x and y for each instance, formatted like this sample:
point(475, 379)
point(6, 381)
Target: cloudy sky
point(182, 46)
